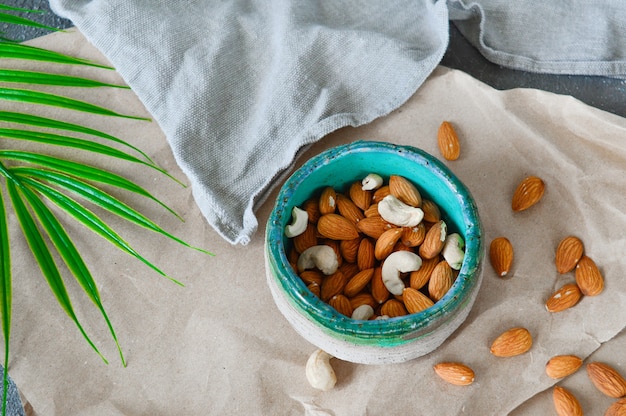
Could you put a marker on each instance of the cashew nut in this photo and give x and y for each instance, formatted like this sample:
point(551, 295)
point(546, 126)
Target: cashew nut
point(399, 262)
point(323, 257)
point(453, 251)
point(381, 317)
point(371, 182)
point(392, 210)
point(363, 312)
point(319, 372)
point(299, 221)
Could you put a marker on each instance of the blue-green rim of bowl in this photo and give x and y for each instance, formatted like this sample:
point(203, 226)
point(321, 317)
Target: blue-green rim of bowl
point(394, 330)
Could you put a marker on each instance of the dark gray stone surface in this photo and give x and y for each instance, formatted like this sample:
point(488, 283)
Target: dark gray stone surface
point(608, 94)
point(44, 15)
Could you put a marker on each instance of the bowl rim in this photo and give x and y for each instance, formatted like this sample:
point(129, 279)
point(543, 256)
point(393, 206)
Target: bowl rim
point(405, 327)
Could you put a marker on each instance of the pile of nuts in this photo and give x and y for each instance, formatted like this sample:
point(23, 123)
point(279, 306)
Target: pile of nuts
point(570, 256)
point(377, 251)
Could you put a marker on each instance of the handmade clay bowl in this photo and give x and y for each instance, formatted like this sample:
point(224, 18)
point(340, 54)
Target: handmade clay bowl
point(374, 341)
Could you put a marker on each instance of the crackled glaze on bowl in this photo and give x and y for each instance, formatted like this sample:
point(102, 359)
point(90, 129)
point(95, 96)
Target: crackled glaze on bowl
point(375, 341)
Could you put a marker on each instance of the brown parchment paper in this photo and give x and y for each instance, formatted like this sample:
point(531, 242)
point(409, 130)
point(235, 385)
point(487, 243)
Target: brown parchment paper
point(219, 346)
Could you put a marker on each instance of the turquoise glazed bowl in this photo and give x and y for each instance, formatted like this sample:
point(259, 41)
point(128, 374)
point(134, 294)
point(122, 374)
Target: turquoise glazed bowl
point(374, 341)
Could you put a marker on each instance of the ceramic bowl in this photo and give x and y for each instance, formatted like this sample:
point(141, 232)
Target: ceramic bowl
point(374, 341)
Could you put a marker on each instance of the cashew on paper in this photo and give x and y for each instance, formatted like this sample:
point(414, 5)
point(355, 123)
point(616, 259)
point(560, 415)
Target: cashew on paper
point(453, 251)
point(319, 372)
point(396, 263)
point(299, 222)
point(322, 256)
point(396, 212)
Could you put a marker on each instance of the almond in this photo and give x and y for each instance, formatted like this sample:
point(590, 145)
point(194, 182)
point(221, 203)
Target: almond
point(413, 236)
point(431, 211)
point(561, 366)
point(588, 277)
point(371, 211)
point(448, 141)
point(393, 308)
point(617, 409)
point(606, 379)
point(386, 242)
point(401, 247)
point(501, 255)
point(420, 277)
point(348, 209)
point(312, 276)
point(365, 257)
point(440, 281)
point(312, 207)
point(405, 191)
point(358, 282)
point(512, 342)
point(315, 289)
point(373, 226)
point(333, 285)
point(307, 239)
point(292, 257)
point(349, 249)
point(455, 373)
point(565, 403)
point(359, 196)
point(377, 286)
point(328, 201)
point(568, 253)
point(349, 269)
point(434, 240)
point(528, 193)
point(566, 297)
point(363, 298)
point(415, 301)
point(380, 193)
point(336, 227)
point(341, 304)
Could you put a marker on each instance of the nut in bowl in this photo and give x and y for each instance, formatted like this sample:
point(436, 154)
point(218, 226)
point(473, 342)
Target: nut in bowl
point(373, 341)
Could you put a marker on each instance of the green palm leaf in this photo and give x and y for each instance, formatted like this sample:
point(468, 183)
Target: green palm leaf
point(30, 77)
point(37, 97)
point(87, 145)
point(29, 119)
point(83, 171)
point(36, 181)
point(43, 256)
point(68, 252)
point(21, 51)
point(97, 197)
point(5, 295)
point(93, 222)
point(18, 9)
point(16, 20)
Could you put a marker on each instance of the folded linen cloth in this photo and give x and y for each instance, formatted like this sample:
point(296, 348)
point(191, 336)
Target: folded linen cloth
point(575, 37)
point(240, 87)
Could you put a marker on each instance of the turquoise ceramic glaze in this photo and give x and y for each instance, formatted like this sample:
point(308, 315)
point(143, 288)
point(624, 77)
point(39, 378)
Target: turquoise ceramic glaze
point(339, 167)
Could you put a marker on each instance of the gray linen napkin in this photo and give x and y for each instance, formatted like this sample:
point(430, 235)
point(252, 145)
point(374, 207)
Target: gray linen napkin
point(240, 86)
point(575, 37)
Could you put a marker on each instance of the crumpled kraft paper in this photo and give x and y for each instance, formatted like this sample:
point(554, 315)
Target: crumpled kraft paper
point(220, 346)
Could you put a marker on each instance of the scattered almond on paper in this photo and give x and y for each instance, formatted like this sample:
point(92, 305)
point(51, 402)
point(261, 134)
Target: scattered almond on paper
point(527, 193)
point(455, 373)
